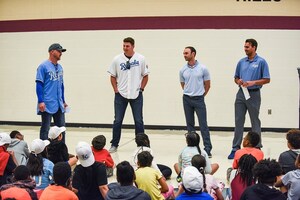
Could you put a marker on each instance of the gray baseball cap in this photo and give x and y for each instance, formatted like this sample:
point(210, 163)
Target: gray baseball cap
point(57, 47)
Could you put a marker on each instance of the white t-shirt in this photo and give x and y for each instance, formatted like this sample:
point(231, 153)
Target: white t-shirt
point(129, 79)
point(134, 159)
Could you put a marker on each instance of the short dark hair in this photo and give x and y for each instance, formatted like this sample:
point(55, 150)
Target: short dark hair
point(266, 171)
point(253, 138)
point(21, 173)
point(141, 139)
point(145, 159)
point(14, 133)
point(99, 142)
point(193, 140)
point(253, 43)
point(125, 173)
point(293, 137)
point(130, 40)
point(193, 50)
point(61, 173)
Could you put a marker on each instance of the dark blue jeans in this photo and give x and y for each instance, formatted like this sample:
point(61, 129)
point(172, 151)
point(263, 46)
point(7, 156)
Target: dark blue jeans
point(59, 120)
point(192, 105)
point(120, 108)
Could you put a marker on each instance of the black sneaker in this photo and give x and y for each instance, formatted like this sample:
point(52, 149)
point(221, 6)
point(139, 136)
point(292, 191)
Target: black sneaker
point(209, 155)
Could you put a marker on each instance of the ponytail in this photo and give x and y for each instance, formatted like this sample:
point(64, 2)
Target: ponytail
point(201, 170)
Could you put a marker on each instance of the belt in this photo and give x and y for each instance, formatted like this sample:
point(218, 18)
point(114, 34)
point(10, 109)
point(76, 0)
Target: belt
point(253, 90)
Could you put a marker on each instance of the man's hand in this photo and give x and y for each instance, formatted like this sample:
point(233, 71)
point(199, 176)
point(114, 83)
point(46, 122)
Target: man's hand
point(248, 83)
point(42, 107)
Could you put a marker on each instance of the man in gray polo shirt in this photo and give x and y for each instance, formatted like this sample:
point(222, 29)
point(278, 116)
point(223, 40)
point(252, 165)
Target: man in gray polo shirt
point(195, 82)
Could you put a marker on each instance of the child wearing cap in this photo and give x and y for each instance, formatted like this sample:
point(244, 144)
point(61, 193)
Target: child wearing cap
point(89, 179)
point(102, 155)
point(192, 183)
point(57, 149)
point(40, 168)
point(8, 161)
point(147, 178)
point(61, 190)
point(19, 147)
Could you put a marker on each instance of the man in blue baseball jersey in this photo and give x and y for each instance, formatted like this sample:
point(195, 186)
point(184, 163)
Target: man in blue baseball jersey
point(50, 91)
point(251, 73)
point(195, 82)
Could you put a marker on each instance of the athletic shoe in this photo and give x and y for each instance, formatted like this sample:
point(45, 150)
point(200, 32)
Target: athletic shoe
point(209, 155)
point(231, 155)
point(113, 149)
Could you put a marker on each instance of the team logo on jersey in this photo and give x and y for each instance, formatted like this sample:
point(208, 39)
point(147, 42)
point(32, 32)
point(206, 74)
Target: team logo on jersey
point(127, 65)
point(55, 75)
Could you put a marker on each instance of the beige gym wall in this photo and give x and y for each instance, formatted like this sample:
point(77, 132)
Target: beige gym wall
point(89, 53)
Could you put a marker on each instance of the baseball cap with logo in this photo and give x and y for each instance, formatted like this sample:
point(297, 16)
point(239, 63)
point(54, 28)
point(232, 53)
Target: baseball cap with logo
point(4, 139)
point(38, 146)
point(192, 179)
point(55, 131)
point(57, 47)
point(84, 154)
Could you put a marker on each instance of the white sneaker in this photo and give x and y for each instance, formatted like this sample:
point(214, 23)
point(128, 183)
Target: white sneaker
point(113, 149)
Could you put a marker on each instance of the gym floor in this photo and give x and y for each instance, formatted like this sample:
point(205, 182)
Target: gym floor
point(166, 145)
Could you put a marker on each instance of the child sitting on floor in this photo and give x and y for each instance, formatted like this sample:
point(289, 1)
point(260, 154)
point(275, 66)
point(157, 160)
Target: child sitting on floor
point(147, 178)
point(250, 142)
point(57, 149)
point(102, 155)
point(291, 181)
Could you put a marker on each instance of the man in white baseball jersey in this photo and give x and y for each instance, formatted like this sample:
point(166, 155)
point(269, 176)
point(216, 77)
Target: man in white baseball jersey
point(129, 76)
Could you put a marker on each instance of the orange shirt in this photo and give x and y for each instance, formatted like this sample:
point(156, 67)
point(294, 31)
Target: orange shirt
point(257, 153)
point(58, 193)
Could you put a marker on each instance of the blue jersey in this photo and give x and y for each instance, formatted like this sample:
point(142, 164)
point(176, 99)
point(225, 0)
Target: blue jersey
point(52, 78)
point(46, 178)
point(250, 70)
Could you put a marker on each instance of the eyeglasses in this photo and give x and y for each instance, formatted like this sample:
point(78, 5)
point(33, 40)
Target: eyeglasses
point(127, 64)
